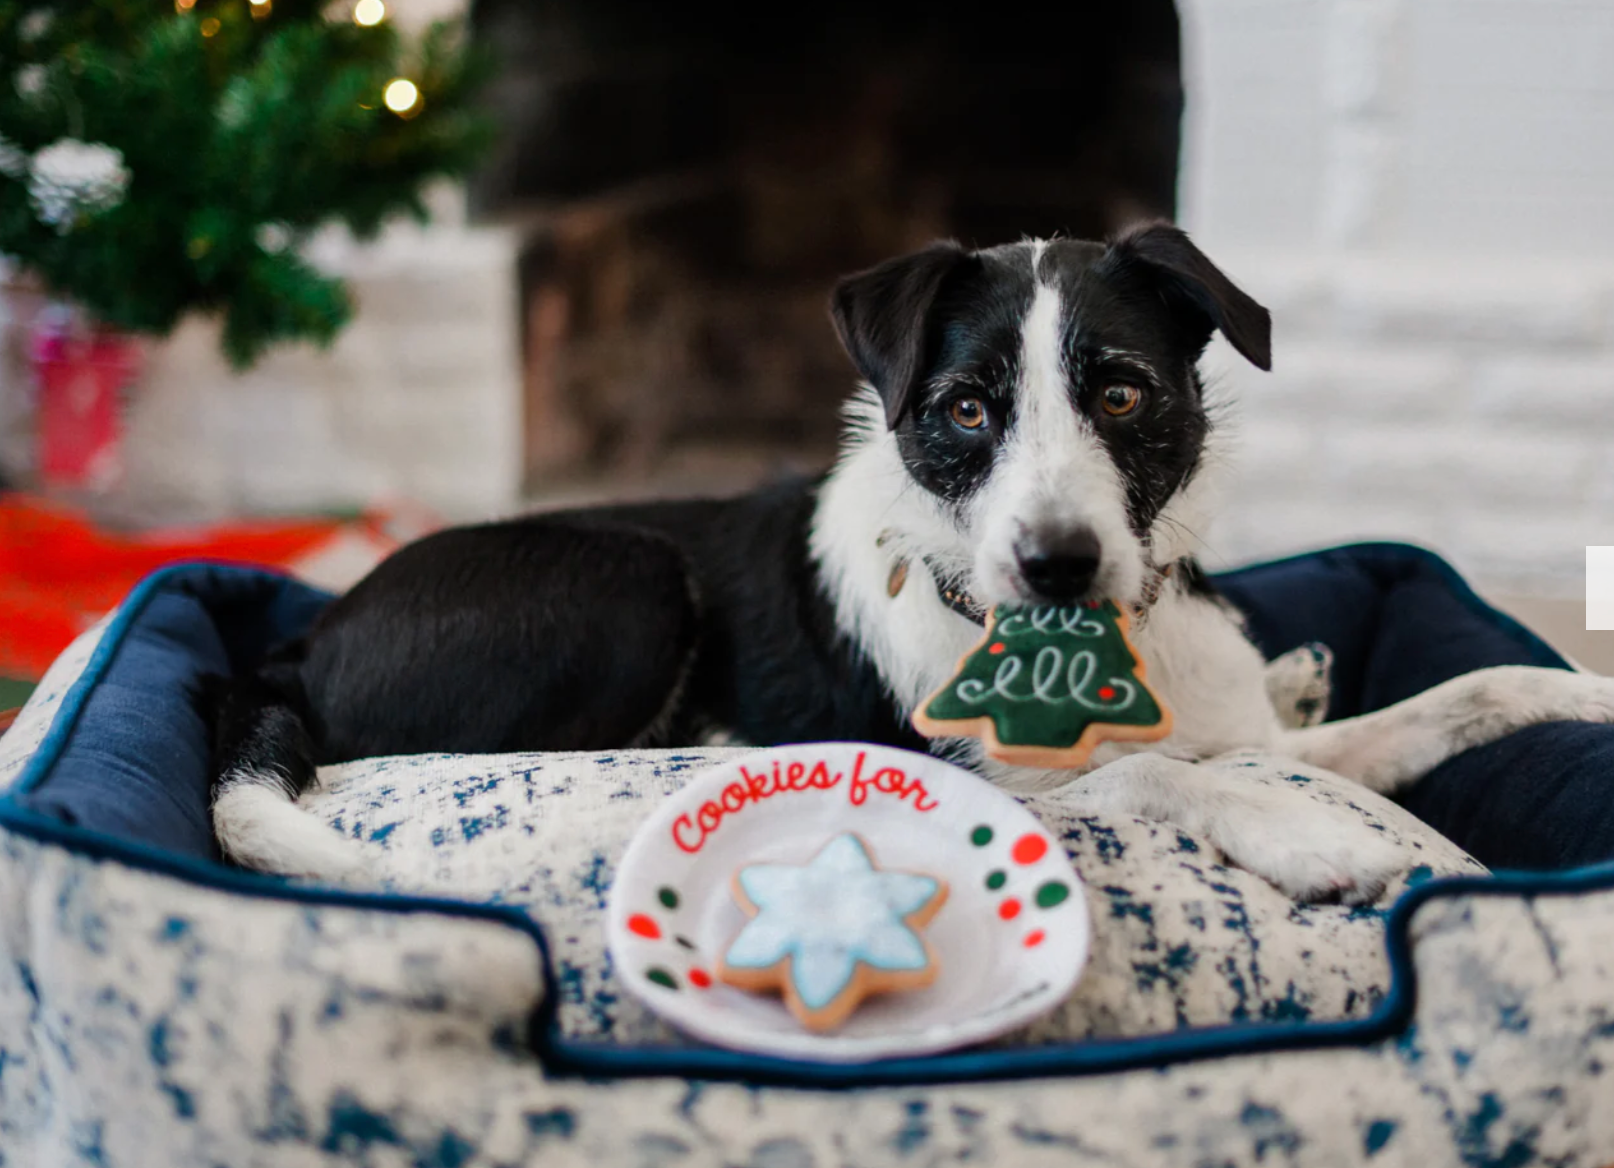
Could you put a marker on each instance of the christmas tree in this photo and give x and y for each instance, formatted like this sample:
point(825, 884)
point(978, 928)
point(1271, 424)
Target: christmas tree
point(161, 157)
point(1046, 685)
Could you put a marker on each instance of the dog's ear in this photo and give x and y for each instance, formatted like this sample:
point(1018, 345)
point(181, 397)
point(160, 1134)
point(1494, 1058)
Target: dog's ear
point(1197, 286)
point(883, 315)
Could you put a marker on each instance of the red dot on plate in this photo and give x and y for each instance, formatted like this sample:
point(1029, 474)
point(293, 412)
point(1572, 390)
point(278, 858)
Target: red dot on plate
point(700, 979)
point(1009, 909)
point(995, 647)
point(1106, 692)
point(643, 926)
point(1028, 849)
point(1033, 939)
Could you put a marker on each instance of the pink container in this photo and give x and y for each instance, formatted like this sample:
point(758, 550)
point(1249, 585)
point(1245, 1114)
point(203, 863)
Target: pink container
point(82, 376)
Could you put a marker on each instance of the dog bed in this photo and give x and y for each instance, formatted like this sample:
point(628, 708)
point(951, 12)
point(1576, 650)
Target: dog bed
point(159, 1007)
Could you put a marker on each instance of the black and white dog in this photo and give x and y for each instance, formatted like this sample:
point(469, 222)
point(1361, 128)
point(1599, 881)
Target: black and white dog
point(1032, 428)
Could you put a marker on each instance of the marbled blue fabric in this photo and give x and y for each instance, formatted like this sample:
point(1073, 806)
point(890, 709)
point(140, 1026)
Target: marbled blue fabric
point(159, 1012)
point(1180, 939)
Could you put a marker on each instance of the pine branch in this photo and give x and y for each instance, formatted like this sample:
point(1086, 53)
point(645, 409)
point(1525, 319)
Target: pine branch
point(239, 135)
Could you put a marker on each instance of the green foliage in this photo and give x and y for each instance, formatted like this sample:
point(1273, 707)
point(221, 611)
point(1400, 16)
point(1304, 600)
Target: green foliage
point(241, 134)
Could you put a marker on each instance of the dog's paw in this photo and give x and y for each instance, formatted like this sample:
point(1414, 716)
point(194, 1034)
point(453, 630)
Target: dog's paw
point(1320, 855)
point(1523, 695)
point(1298, 684)
point(1309, 849)
point(257, 827)
point(1389, 748)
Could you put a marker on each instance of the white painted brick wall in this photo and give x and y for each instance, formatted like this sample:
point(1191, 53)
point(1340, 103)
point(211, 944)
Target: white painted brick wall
point(420, 398)
point(1423, 193)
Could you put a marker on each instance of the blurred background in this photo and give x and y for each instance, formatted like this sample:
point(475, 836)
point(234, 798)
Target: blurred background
point(625, 295)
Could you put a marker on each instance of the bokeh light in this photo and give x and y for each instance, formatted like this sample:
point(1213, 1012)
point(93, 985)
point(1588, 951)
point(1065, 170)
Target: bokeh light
point(401, 95)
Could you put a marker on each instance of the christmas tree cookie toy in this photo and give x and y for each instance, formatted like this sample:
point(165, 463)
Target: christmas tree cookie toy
point(829, 933)
point(1046, 685)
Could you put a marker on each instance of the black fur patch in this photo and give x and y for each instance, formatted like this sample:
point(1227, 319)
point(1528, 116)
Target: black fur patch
point(1118, 331)
point(974, 351)
point(257, 722)
point(622, 626)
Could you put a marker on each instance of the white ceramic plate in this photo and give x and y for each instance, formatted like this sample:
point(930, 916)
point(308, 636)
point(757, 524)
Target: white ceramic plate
point(1009, 942)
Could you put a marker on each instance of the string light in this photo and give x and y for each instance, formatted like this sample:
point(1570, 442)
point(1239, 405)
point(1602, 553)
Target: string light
point(369, 12)
point(184, 6)
point(402, 97)
point(260, 9)
point(211, 26)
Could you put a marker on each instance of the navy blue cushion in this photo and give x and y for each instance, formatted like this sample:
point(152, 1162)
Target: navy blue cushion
point(1400, 620)
point(133, 763)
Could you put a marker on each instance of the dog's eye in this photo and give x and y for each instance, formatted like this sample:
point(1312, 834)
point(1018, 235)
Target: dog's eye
point(968, 413)
point(1120, 400)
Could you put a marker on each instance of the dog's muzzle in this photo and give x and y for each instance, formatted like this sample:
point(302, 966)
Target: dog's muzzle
point(1059, 569)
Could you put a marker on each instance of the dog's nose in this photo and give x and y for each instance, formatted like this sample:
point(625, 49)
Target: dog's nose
point(1060, 569)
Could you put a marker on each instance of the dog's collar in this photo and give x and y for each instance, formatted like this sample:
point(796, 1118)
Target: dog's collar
point(960, 601)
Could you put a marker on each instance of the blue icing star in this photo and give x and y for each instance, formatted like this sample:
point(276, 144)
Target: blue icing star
point(827, 916)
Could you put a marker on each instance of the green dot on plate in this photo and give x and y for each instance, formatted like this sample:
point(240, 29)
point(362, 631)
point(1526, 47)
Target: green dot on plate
point(996, 879)
point(668, 897)
point(662, 978)
point(981, 836)
point(1051, 893)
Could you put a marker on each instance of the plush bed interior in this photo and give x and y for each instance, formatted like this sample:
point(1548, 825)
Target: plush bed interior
point(125, 760)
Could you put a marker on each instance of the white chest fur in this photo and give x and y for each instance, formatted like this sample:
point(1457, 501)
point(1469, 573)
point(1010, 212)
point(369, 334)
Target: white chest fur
point(1199, 662)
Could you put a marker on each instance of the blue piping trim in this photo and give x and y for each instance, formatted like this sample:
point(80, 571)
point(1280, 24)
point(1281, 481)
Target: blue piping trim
point(561, 1057)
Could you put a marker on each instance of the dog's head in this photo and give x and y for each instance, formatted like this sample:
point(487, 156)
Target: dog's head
point(1046, 395)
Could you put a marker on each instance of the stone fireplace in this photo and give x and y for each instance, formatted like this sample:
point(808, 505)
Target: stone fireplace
point(687, 187)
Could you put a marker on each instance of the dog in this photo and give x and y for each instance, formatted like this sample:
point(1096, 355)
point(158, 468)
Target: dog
point(1030, 427)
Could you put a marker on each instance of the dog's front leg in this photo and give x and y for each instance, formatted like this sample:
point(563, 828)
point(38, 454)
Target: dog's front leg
point(1390, 748)
point(1309, 850)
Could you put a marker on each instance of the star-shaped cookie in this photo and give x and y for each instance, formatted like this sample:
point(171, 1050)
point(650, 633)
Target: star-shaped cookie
point(833, 931)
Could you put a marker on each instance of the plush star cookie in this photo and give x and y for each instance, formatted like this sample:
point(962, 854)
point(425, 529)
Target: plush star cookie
point(1046, 685)
point(831, 932)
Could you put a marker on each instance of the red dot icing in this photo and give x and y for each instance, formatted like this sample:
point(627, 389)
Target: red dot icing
point(643, 926)
point(995, 647)
point(699, 978)
point(1009, 909)
point(1028, 849)
point(1106, 692)
point(1033, 939)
